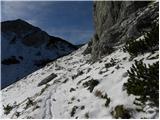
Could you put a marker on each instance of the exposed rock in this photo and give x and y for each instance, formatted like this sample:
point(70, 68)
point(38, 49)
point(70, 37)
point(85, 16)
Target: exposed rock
point(47, 79)
point(72, 89)
point(116, 22)
point(31, 35)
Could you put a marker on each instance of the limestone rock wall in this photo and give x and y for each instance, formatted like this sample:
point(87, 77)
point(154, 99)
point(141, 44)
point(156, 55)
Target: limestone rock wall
point(117, 21)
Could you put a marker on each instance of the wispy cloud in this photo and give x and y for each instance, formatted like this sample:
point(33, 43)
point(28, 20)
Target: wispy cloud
point(69, 20)
point(21, 9)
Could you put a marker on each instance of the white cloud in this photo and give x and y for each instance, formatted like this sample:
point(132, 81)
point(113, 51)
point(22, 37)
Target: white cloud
point(21, 9)
point(36, 13)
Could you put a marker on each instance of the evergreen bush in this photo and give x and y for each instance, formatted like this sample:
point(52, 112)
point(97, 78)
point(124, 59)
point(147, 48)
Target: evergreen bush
point(120, 112)
point(150, 43)
point(143, 82)
point(7, 109)
point(91, 84)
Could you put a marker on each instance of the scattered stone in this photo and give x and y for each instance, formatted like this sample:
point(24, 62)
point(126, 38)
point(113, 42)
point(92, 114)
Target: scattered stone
point(86, 115)
point(117, 67)
point(47, 79)
point(72, 89)
point(78, 74)
point(65, 80)
point(73, 98)
point(82, 107)
point(125, 74)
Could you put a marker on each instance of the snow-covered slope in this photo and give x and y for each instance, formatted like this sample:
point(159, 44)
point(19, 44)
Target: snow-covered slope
point(67, 94)
point(26, 48)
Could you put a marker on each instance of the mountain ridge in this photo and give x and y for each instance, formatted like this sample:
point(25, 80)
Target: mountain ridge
point(26, 46)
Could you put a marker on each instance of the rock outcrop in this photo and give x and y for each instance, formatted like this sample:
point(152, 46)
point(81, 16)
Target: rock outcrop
point(116, 22)
point(30, 35)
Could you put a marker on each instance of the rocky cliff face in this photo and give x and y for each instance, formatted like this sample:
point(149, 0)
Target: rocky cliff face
point(116, 22)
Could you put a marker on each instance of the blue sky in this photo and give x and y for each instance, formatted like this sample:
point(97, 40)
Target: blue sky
point(70, 20)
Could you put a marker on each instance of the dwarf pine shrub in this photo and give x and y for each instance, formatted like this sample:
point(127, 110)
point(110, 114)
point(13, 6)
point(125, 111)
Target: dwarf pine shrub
point(143, 82)
point(7, 109)
point(17, 114)
point(110, 64)
point(150, 43)
point(91, 84)
point(120, 112)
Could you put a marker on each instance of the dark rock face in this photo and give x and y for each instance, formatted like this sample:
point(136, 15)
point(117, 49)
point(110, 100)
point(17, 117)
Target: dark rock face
point(30, 35)
point(117, 21)
point(17, 26)
point(26, 48)
point(47, 79)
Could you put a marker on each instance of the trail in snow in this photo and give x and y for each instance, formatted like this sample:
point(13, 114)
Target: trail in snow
point(66, 95)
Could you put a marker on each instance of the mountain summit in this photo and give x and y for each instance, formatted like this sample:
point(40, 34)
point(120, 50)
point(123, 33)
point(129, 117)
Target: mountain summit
point(26, 48)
